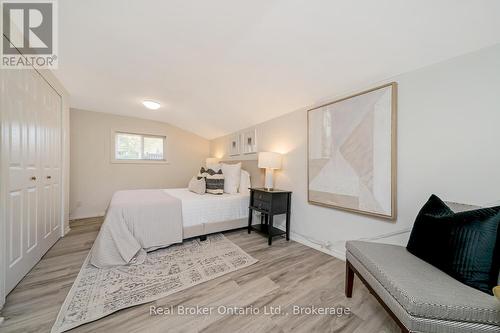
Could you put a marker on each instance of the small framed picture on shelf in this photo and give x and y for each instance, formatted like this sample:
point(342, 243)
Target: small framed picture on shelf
point(234, 145)
point(250, 141)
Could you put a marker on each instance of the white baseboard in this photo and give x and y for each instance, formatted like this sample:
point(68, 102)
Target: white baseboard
point(86, 215)
point(67, 229)
point(399, 237)
point(335, 253)
point(299, 239)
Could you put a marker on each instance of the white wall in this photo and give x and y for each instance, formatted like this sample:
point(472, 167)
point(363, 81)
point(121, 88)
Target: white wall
point(448, 144)
point(94, 178)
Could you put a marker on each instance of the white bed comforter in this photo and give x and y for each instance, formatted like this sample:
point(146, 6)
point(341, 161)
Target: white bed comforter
point(210, 208)
point(137, 221)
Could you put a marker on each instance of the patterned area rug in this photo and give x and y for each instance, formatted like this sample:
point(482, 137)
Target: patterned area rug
point(99, 292)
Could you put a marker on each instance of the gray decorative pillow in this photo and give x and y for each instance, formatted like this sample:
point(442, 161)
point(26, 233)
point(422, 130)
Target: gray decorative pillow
point(197, 185)
point(214, 180)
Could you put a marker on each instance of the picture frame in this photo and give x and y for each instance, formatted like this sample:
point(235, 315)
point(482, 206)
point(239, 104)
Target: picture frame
point(250, 141)
point(351, 153)
point(235, 145)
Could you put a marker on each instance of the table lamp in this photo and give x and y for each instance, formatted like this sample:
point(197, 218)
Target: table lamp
point(211, 161)
point(269, 161)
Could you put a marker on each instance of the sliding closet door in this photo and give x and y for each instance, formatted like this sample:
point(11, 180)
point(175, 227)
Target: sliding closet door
point(30, 128)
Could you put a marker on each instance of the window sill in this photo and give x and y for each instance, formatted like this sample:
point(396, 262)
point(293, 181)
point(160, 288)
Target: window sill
point(139, 162)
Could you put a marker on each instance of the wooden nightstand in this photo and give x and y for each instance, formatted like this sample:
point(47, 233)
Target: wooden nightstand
point(269, 203)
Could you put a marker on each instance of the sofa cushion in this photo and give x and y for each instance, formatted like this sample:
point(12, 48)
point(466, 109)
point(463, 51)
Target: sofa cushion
point(421, 289)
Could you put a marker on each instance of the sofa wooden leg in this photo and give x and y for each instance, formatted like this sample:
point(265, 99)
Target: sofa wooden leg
point(349, 279)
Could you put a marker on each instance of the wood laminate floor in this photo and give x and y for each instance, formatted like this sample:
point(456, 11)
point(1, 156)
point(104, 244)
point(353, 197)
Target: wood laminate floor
point(288, 274)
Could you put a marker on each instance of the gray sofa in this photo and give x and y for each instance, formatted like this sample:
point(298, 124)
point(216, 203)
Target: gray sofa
point(420, 297)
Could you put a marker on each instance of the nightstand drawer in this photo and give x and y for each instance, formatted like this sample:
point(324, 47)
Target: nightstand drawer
point(266, 205)
point(262, 196)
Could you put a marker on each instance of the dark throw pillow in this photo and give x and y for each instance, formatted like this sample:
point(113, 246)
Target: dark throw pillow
point(471, 247)
point(426, 238)
point(464, 245)
point(214, 180)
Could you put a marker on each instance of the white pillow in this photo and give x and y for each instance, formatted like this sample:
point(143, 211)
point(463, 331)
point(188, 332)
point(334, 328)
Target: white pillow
point(244, 181)
point(232, 174)
point(215, 167)
point(197, 185)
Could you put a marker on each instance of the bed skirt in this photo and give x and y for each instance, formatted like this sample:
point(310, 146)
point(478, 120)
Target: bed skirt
point(210, 228)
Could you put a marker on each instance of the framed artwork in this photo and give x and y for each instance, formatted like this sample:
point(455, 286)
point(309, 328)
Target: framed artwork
point(250, 141)
point(234, 145)
point(352, 153)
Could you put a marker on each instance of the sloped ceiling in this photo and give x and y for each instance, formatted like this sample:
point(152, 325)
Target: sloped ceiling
point(221, 65)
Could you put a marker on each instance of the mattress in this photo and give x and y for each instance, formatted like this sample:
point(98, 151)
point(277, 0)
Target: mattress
point(209, 208)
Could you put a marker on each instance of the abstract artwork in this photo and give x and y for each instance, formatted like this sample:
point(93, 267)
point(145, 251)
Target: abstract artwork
point(352, 153)
point(250, 141)
point(234, 145)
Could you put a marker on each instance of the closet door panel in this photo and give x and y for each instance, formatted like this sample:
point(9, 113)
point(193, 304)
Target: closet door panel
point(31, 154)
point(31, 161)
point(45, 159)
point(13, 117)
point(56, 191)
point(52, 154)
point(22, 172)
point(14, 227)
point(47, 210)
point(31, 213)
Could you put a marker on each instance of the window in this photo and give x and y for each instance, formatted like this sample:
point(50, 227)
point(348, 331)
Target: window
point(139, 147)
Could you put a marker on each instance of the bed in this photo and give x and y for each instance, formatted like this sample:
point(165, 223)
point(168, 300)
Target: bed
point(139, 221)
point(206, 214)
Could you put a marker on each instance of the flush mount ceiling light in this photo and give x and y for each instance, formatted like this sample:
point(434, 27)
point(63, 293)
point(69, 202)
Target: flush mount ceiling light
point(152, 105)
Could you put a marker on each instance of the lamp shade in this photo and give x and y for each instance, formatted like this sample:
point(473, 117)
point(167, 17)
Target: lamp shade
point(269, 160)
point(211, 161)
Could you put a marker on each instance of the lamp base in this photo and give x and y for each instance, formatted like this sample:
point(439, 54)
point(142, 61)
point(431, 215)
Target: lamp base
point(268, 185)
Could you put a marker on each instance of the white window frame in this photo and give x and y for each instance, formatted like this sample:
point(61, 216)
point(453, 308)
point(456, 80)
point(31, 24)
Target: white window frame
point(143, 135)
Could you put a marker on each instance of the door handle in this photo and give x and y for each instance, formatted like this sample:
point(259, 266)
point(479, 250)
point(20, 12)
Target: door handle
point(48, 177)
point(33, 178)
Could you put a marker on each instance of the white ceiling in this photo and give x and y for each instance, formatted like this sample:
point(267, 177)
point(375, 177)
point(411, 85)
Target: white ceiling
point(222, 65)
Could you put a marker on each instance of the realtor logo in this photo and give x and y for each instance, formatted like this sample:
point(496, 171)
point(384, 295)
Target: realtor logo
point(29, 34)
